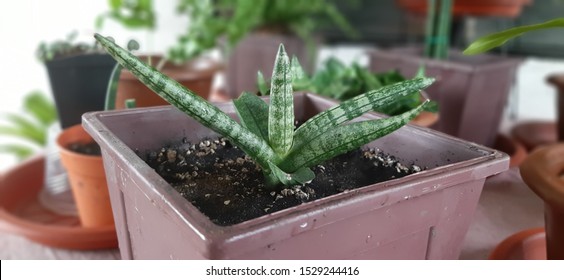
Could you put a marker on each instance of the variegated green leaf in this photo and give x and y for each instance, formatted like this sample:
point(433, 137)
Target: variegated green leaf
point(253, 113)
point(261, 84)
point(352, 108)
point(281, 113)
point(300, 177)
point(191, 104)
point(343, 139)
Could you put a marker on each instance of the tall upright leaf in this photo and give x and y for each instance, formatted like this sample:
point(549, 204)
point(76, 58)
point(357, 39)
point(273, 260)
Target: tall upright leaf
point(281, 113)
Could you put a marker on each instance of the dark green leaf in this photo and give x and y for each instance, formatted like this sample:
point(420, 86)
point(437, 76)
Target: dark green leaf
point(253, 113)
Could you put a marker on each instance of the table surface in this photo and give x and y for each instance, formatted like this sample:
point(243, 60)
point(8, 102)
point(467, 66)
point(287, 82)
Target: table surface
point(506, 206)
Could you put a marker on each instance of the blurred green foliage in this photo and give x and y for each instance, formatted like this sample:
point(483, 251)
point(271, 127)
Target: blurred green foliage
point(338, 81)
point(210, 20)
point(31, 126)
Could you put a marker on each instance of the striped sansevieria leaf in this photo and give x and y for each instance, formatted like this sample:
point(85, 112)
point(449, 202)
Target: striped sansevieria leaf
point(281, 113)
point(266, 132)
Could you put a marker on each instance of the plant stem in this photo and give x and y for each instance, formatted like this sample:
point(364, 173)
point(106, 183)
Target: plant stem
point(443, 33)
point(111, 92)
point(430, 27)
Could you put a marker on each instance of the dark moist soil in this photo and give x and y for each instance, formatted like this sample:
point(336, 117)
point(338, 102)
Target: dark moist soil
point(90, 148)
point(228, 187)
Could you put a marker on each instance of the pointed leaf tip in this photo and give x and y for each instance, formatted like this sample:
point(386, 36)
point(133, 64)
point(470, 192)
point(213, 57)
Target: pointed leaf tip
point(281, 49)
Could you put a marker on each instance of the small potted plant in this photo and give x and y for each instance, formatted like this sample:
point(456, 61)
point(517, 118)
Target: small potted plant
point(189, 67)
point(78, 74)
point(340, 82)
point(251, 31)
point(462, 84)
point(424, 214)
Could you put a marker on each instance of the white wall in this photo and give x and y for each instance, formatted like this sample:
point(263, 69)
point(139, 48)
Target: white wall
point(26, 23)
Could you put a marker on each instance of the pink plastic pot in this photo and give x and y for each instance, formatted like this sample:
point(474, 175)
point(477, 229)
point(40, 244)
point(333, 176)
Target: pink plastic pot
point(471, 90)
point(421, 216)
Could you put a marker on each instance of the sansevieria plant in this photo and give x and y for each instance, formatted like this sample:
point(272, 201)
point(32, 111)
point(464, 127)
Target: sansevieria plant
point(267, 133)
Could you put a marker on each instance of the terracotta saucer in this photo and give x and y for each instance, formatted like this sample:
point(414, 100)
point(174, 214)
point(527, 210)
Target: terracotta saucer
point(535, 133)
point(529, 244)
point(22, 214)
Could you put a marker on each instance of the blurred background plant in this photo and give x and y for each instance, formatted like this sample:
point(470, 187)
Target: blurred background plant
point(64, 48)
point(29, 129)
point(341, 82)
point(134, 14)
point(437, 29)
point(234, 19)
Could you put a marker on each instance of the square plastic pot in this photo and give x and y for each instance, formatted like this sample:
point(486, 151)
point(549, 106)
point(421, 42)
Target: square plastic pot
point(420, 216)
point(79, 85)
point(471, 90)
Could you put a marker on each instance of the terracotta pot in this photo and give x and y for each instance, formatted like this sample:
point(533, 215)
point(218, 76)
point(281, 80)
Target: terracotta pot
point(87, 179)
point(256, 52)
point(516, 151)
point(543, 172)
point(196, 75)
point(420, 216)
point(463, 83)
point(426, 119)
point(496, 8)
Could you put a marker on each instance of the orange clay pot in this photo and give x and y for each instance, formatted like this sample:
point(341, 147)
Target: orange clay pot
point(87, 179)
point(512, 147)
point(543, 172)
point(196, 75)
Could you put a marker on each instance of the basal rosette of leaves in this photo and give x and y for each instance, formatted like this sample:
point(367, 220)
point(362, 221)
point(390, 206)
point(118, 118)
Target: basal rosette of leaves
point(266, 131)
